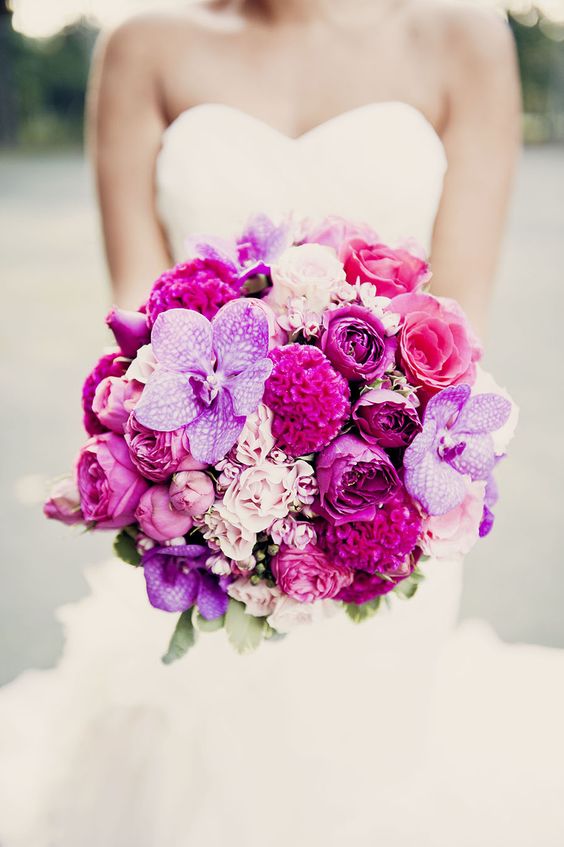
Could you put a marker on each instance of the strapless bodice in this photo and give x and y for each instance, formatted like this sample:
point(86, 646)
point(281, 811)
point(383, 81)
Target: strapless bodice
point(381, 164)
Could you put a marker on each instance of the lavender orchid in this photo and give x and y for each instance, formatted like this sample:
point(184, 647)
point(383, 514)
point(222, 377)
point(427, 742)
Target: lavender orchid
point(455, 443)
point(261, 243)
point(209, 376)
point(177, 579)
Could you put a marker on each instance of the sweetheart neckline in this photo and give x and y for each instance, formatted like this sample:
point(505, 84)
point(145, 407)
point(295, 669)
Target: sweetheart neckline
point(193, 111)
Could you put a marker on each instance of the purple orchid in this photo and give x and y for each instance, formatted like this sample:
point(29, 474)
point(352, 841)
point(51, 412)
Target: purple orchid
point(177, 579)
point(455, 443)
point(260, 244)
point(210, 375)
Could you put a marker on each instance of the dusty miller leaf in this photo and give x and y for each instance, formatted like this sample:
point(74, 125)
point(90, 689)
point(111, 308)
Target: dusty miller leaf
point(244, 631)
point(362, 612)
point(125, 548)
point(183, 638)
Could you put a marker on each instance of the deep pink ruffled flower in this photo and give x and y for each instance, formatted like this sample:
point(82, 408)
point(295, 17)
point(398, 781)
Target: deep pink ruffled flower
point(203, 284)
point(308, 574)
point(380, 549)
point(309, 399)
point(112, 364)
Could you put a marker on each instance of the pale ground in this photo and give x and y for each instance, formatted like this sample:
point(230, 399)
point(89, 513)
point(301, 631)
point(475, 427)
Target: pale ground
point(53, 302)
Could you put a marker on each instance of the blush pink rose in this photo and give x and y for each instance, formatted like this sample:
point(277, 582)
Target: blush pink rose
point(109, 484)
point(312, 271)
point(455, 533)
point(333, 231)
point(114, 400)
point(392, 270)
point(157, 455)
point(259, 599)
point(437, 346)
point(157, 517)
point(308, 575)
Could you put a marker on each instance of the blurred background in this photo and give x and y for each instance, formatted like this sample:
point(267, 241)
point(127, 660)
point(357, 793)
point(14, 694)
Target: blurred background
point(55, 296)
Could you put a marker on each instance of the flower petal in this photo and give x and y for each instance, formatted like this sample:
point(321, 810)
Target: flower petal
point(182, 341)
point(212, 599)
point(216, 430)
point(240, 335)
point(247, 388)
point(477, 459)
point(483, 413)
point(446, 403)
point(421, 445)
point(167, 402)
point(435, 485)
point(168, 587)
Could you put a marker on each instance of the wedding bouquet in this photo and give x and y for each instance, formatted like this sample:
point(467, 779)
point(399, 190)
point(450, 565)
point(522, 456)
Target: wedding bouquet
point(289, 426)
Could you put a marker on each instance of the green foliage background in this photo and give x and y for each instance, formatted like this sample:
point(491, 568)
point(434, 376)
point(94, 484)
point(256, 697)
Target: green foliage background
point(43, 82)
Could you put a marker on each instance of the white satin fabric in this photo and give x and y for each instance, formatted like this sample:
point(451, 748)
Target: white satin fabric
point(401, 731)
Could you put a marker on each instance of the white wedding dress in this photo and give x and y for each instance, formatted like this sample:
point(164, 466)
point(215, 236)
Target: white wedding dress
point(402, 731)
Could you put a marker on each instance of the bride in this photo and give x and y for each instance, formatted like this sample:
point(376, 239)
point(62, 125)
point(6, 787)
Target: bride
point(403, 730)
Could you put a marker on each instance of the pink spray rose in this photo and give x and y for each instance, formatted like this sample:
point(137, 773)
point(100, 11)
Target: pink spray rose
point(191, 492)
point(157, 455)
point(455, 533)
point(64, 504)
point(114, 400)
point(109, 484)
point(436, 344)
point(308, 575)
point(386, 418)
point(392, 271)
point(158, 519)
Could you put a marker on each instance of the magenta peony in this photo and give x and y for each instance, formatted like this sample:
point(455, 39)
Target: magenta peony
point(392, 271)
point(308, 574)
point(158, 519)
point(204, 285)
point(112, 364)
point(354, 480)
point(309, 399)
point(157, 455)
point(386, 418)
point(355, 342)
point(109, 484)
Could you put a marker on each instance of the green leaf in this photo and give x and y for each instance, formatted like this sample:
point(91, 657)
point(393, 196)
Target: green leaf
point(362, 612)
point(183, 637)
point(125, 548)
point(406, 588)
point(244, 631)
point(203, 625)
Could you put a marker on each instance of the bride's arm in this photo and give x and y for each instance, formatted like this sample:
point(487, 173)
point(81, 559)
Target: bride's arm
point(482, 138)
point(125, 125)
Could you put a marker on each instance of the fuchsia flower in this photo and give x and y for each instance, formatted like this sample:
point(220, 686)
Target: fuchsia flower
point(112, 364)
point(177, 579)
point(386, 418)
point(130, 330)
point(203, 284)
point(308, 575)
point(455, 443)
point(392, 271)
point(355, 341)
point(209, 377)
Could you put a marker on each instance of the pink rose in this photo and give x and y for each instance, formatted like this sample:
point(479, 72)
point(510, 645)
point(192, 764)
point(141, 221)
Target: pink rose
point(456, 532)
point(191, 492)
point(114, 400)
point(64, 503)
point(392, 271)
point(109, 484)
point(308, 575)
point(259, 599)
point(157, 455)
point(436, 343)
point(333, 231)
point(158, 519)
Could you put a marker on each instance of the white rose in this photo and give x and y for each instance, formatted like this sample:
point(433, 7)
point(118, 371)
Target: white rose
point(259, 599)
point(256, 439)
point(312, 271)
point(289, 613)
